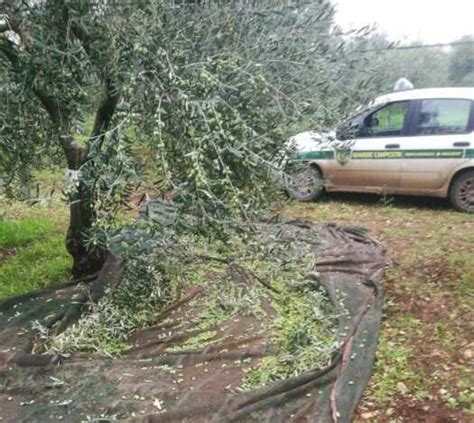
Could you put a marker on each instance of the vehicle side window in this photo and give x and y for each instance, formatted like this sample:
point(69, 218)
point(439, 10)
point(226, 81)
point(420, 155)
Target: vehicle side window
point(387, 121)
point(443, 117)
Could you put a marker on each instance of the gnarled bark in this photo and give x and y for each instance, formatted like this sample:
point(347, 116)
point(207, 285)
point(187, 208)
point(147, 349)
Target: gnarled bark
point(85, 260)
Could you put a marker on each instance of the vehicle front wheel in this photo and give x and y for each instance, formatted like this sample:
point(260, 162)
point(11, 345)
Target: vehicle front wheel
point(461, 194)
point(303, 183)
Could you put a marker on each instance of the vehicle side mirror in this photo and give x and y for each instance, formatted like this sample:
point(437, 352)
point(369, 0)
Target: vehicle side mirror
point(340, 134)
point(348, 130)
point(372, 122)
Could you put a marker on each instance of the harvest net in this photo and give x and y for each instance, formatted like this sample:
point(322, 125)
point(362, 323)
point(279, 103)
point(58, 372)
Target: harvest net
point(191, 363)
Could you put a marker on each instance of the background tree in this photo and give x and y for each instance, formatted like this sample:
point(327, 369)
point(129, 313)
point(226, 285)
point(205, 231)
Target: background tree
point(461, 63)
point(208, 89)
point(424, 66)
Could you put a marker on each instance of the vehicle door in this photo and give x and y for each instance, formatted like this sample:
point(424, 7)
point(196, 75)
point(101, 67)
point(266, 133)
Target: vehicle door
point(439, 137)
point(374, 162)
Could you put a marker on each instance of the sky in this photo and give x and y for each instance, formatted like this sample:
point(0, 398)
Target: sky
point(427, 21)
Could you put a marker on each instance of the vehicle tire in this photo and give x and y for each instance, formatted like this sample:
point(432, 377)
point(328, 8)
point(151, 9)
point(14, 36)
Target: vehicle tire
point(303, 183)
point(461, 193)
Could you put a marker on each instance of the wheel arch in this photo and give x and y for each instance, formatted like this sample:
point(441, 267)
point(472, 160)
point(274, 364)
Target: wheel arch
point(318, 167)
point(321, 170)
point(458, 173)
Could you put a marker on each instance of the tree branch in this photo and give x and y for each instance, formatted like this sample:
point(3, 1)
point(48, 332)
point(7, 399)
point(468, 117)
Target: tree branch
point(106, 110)
point(16, 25)
point(8, 50)
point(74, 152)
point(111, 96)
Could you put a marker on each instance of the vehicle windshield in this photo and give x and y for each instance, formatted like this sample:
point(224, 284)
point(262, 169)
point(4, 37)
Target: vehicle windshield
point(362, 113)
point(349, 127)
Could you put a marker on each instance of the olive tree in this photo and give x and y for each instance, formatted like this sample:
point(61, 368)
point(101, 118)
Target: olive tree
point(461, 65)
point(207, 88)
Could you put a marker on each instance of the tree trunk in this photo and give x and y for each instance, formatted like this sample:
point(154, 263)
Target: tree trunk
point(85, 260)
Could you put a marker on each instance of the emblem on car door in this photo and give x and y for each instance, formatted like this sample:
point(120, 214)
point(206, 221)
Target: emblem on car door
point(343, 156)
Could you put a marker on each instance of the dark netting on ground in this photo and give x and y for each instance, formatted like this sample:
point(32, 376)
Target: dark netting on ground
point(152, 382)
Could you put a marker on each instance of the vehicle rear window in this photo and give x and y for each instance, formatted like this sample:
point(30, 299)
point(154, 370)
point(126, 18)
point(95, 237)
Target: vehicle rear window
point(443, 117)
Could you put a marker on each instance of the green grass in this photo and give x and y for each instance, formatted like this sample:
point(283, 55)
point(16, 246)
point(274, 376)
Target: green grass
point(32, 249)
point(21, 232)
point(393, 373)
point(43, 263)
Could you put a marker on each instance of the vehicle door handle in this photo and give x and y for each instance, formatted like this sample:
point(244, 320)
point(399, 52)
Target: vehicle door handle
point(461, 144)
point(392, 146)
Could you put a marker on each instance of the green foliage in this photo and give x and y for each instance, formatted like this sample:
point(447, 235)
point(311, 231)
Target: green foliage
point(26, 139)
point(226, 299)
point(236, 275)
point(424, 67)
point(197, 342)
point(216, 109)
point(211, 90)
point(305, 337)
point(107, 177)
point(461, 64)
point(143, 291)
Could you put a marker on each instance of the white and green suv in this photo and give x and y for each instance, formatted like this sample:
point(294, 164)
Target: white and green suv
point(416, 142)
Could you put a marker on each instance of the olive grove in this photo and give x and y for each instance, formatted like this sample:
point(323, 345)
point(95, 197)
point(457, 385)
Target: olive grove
point(204, 92)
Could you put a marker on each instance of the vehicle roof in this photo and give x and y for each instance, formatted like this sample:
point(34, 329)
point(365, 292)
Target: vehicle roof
point(427, 93)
